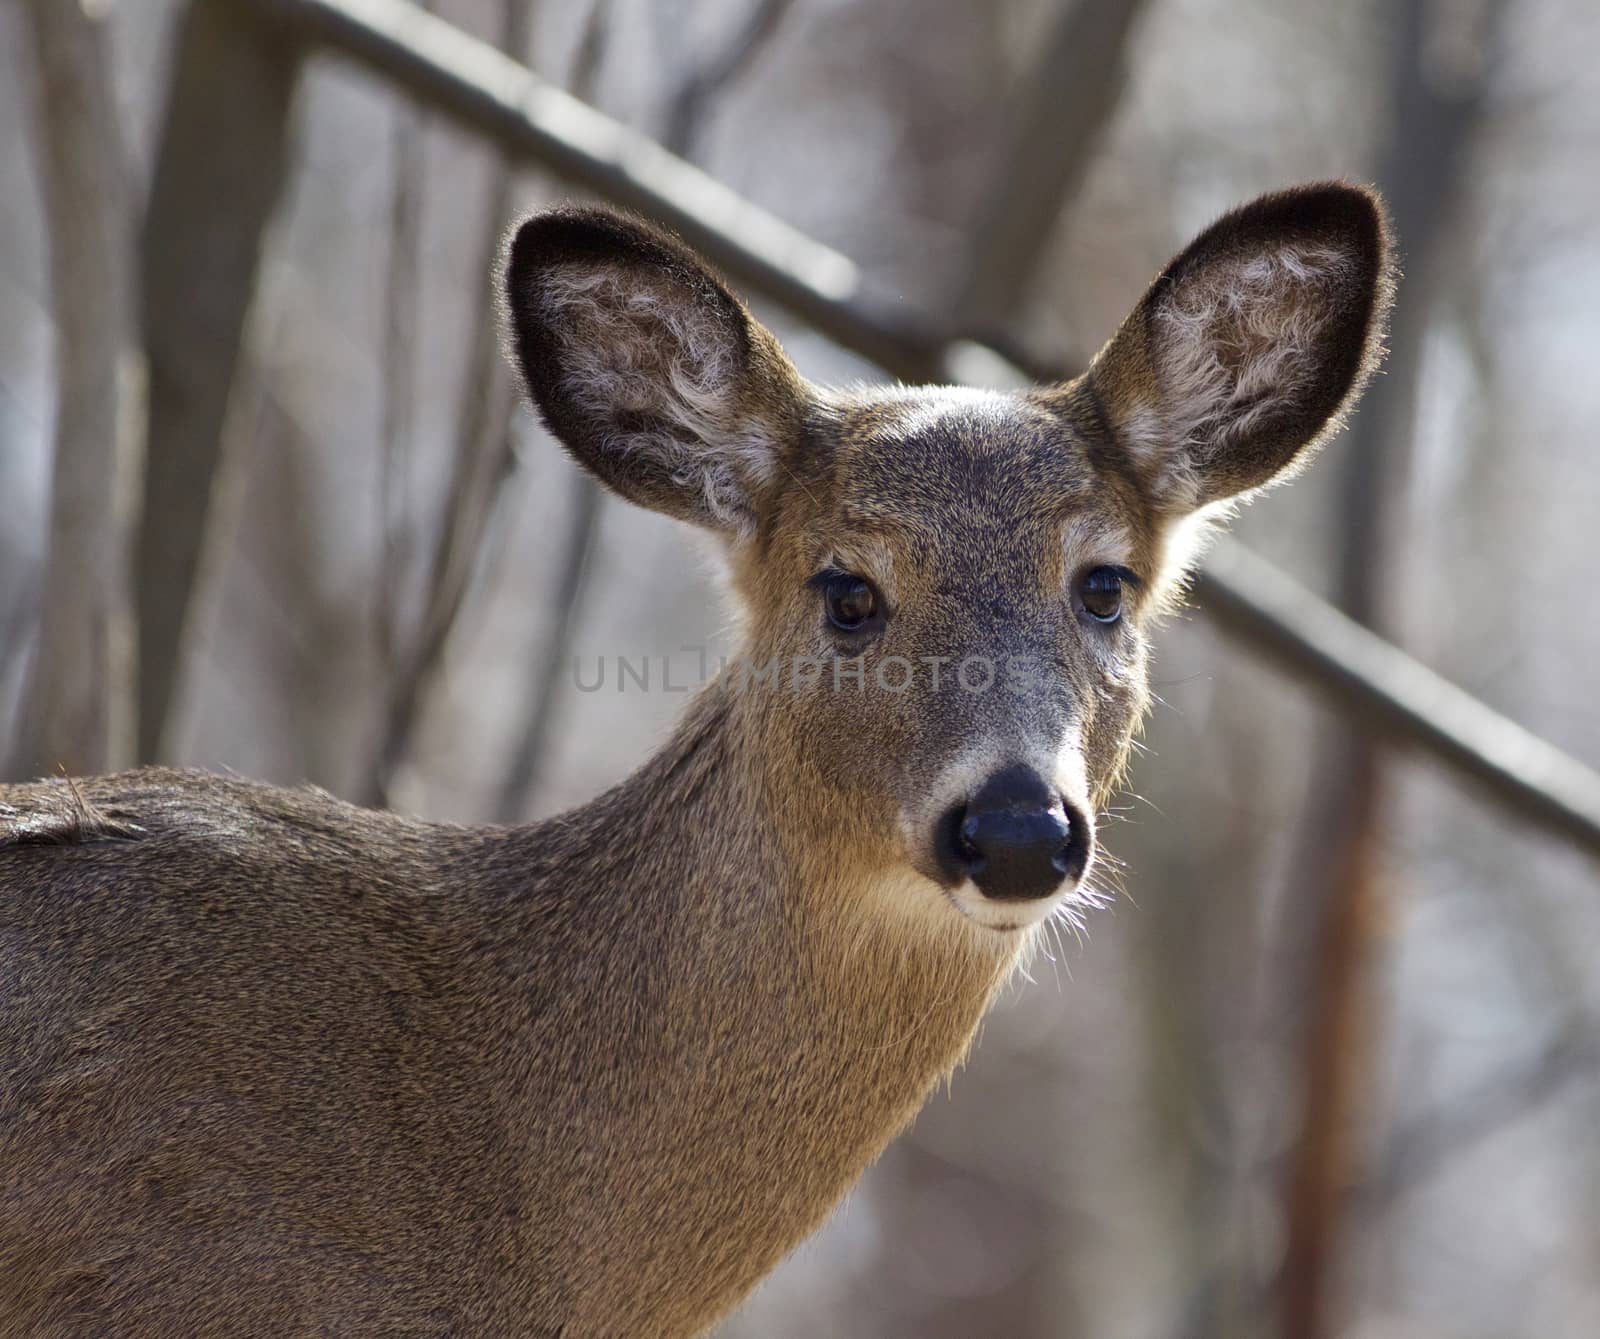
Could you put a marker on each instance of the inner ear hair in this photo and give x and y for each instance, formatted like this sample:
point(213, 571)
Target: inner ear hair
point(654, 370)
point(649, 370)
point(1251, 346)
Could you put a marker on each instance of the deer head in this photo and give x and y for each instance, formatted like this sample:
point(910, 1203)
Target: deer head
point(947, 593)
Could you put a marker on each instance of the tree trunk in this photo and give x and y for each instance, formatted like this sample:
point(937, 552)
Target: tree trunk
point(220, 168)
point(79, 716)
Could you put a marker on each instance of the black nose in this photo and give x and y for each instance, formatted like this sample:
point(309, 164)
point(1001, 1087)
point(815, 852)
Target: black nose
point(1016, 838)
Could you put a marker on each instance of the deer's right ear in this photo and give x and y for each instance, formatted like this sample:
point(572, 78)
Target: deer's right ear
point(1249, 347)
point(652, 374)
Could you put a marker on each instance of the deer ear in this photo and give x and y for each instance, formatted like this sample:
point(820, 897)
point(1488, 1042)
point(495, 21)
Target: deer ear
point(1251, 346)
point(652, 374)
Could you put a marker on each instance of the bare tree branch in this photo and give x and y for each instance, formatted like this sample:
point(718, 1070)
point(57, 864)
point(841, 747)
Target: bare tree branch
point(219, 170)
point(590, 55)
point(1054, 132)
point(1423, 1146)
point(697, 93)
point(80, 712)
point(534, 739)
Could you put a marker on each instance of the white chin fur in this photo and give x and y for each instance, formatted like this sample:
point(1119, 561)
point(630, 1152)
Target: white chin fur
point(1005, 917)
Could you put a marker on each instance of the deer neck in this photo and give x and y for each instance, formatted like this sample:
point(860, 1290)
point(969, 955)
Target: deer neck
point(749, 1031)
point(731, 880)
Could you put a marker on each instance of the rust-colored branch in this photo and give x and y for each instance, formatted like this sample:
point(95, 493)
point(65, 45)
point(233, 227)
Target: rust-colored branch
point(1337, 1044)
point(1435, 115)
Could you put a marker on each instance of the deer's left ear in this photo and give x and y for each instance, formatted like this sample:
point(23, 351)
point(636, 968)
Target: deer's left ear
point(1251, 346)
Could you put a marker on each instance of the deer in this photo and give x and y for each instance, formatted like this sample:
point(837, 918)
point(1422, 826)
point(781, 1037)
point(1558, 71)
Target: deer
point(272, 1064)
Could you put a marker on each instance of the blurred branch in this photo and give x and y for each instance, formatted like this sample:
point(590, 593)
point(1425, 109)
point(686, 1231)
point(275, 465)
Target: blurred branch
point(79, 715)
point(220, 167)
point(413, 667)
point(1371, 680)
point(17, 623)
point(691, 103)
point(1435, 115)
point(533, 740)
point(584, 76)
point(532, 745)
point(1055, 129)
point(1424, 1145)
point(1382, 690)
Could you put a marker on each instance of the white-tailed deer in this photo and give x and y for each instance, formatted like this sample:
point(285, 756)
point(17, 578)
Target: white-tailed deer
point(274, 1065)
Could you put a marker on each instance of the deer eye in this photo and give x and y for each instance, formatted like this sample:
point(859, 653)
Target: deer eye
point(851, 603)
point(1100, 593)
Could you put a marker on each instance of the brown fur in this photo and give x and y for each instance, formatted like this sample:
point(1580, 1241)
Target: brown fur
point(270, 1064)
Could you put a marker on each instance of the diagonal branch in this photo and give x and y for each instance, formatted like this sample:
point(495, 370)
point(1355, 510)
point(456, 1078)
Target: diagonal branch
point(533, 739)
point(537, 733)
point(402, 316)
point(1425, 1145)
